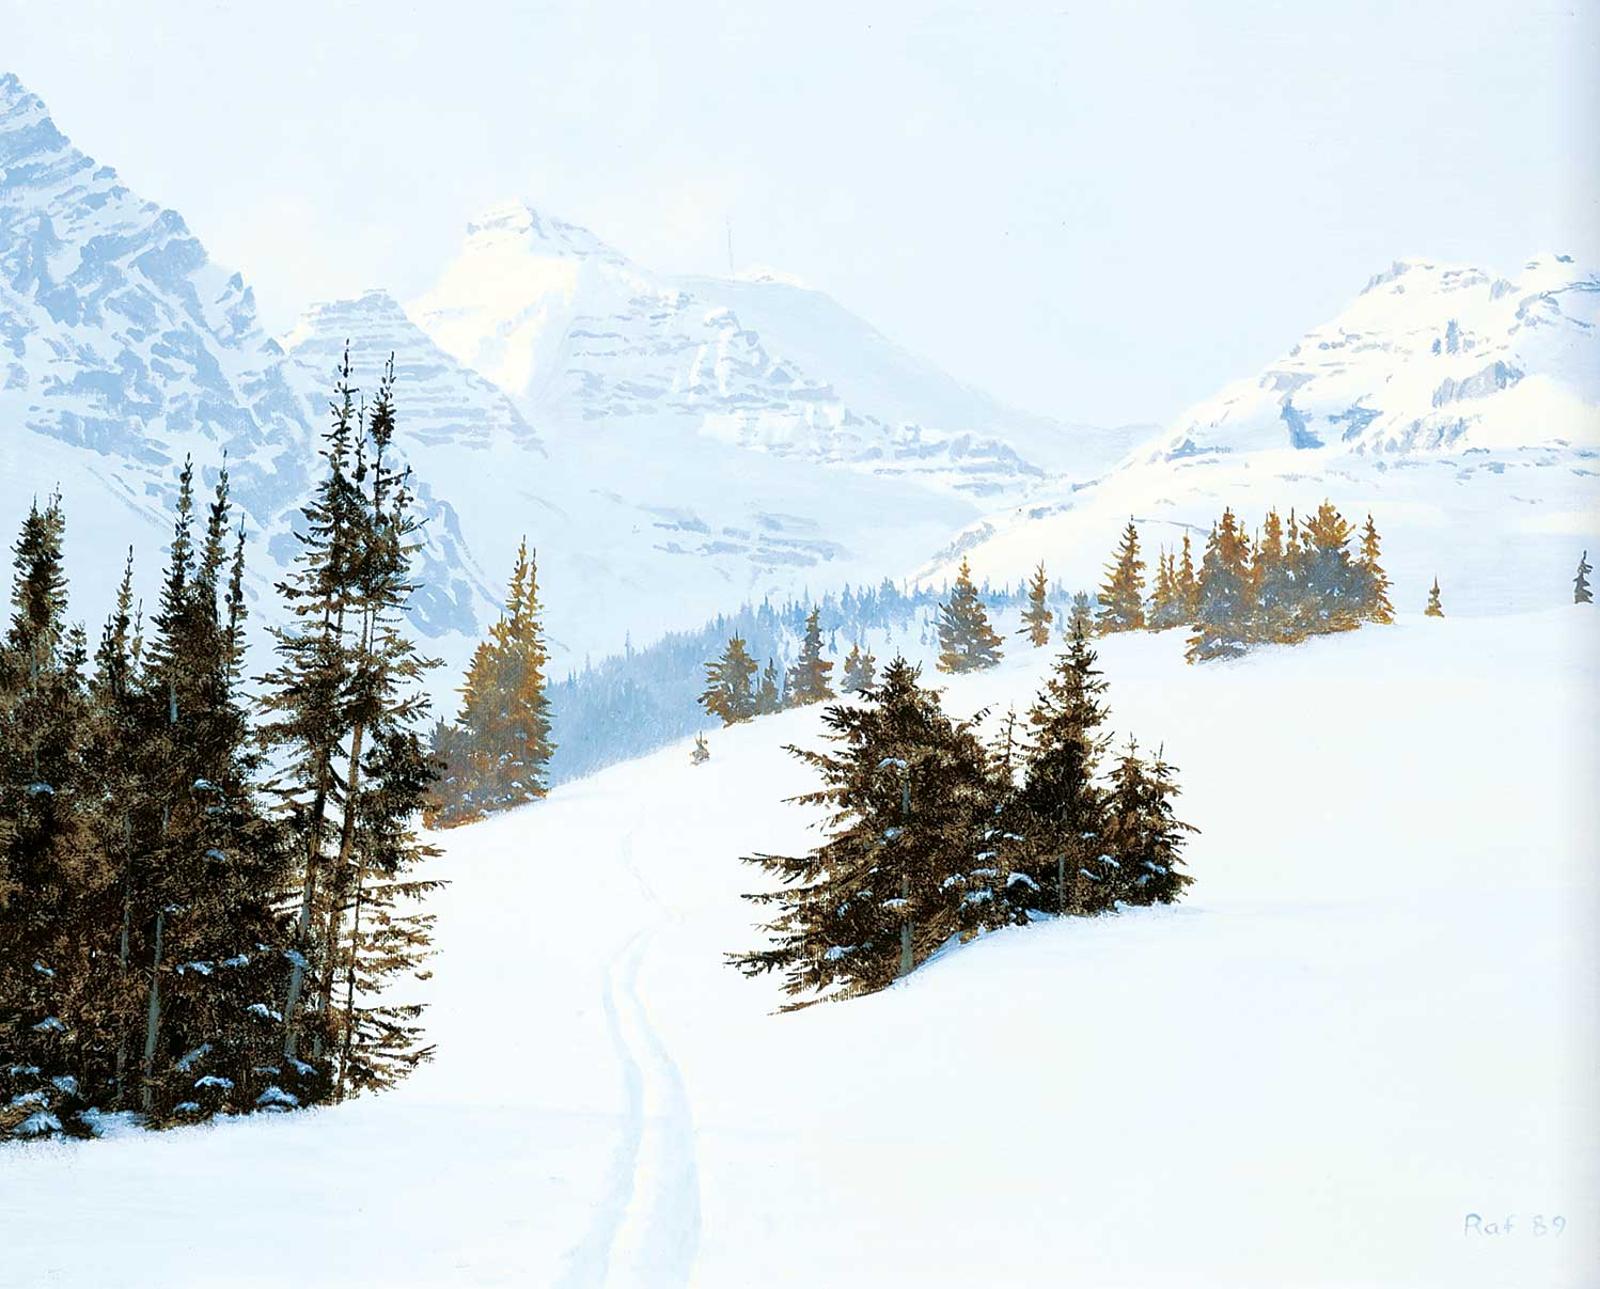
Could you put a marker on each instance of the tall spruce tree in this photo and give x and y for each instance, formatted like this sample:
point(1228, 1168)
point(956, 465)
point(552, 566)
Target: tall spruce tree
point(1122, 595)
point(1580, 584)
point(966, 640)
point(205, 899)
point(728, 694)
point(1038, 618)
point(1060, 807)
point(1435, 608)
point(909, 795)
point(499, 755)
point(344, 705)
point(808, 677)
point(49, 871)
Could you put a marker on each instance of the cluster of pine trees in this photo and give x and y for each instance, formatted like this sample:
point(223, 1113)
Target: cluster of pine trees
point(1290, 581)
point(497, 752)
point(735, 693)
point(200, 913)
point(935, 833)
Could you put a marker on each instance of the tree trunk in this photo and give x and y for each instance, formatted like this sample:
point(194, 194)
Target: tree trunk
point(123, 950)
point(341, 864)
point(152, 1020)
point(347, 1039)
point(308, 895)
point(906, 959)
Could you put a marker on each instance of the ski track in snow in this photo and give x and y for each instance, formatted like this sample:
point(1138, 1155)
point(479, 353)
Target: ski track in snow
point(647, 1229)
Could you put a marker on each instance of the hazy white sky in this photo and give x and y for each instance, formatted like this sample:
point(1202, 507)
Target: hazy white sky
point(1096, 211)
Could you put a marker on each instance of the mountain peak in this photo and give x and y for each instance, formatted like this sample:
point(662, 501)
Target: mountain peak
point(523, 225)
point(12, 90)
point(25, 125)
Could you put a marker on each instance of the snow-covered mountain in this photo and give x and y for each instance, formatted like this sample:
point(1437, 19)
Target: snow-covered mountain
point(123, 347)
point(579, 334)
point(667, 459)
point(1461, 408)
point(1429, 358)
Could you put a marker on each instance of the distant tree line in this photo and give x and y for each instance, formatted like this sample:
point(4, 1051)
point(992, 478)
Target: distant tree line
point(206, 900)
point(1290, 582)
point(936, 835)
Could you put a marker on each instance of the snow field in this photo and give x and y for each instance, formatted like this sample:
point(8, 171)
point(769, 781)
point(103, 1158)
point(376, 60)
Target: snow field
point(1374, 1016)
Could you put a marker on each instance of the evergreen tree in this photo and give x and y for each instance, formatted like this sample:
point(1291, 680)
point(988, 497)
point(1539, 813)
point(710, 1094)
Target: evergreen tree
point(1037, 618)
point(808, 677)
point(1167, 608)
point(307, 716)
point(209, 867)
point(1059, 807)
point(1337, 589)
point(1222, 627)
point(1435, 609)
point(1122, 595)
point(1580, 584)
point(1378, 608)
point(860, 670)
point(769, 693)
point(728, 694)
point(966, 640)
point(344, 703)
point(1143, 832)
point(1186, 585)
point(48, 869)
point(504, 744)
point(910, 797)
point(1272, 585)
point(1295, 606)
point(388, 775)
point(1081, 619)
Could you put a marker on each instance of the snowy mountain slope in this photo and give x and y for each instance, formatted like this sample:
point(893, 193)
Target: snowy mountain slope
point(1308, 1074)
point(1461, 410)
point(578, 334)
point(632, 535)
point(123, 348)
point(1429, 357)
point(446, 405)
point(869, 370)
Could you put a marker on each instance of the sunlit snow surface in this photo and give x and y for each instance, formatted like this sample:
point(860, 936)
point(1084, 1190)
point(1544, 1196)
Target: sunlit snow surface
point(1375, 1016)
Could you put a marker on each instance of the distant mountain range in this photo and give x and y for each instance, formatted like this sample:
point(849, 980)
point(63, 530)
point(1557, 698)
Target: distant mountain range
point(673, 447)
point(669, 446)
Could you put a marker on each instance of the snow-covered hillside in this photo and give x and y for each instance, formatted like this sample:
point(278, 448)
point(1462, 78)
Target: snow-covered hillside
point(1374, 1016)
point(1428, 357)
point(1462, 410)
